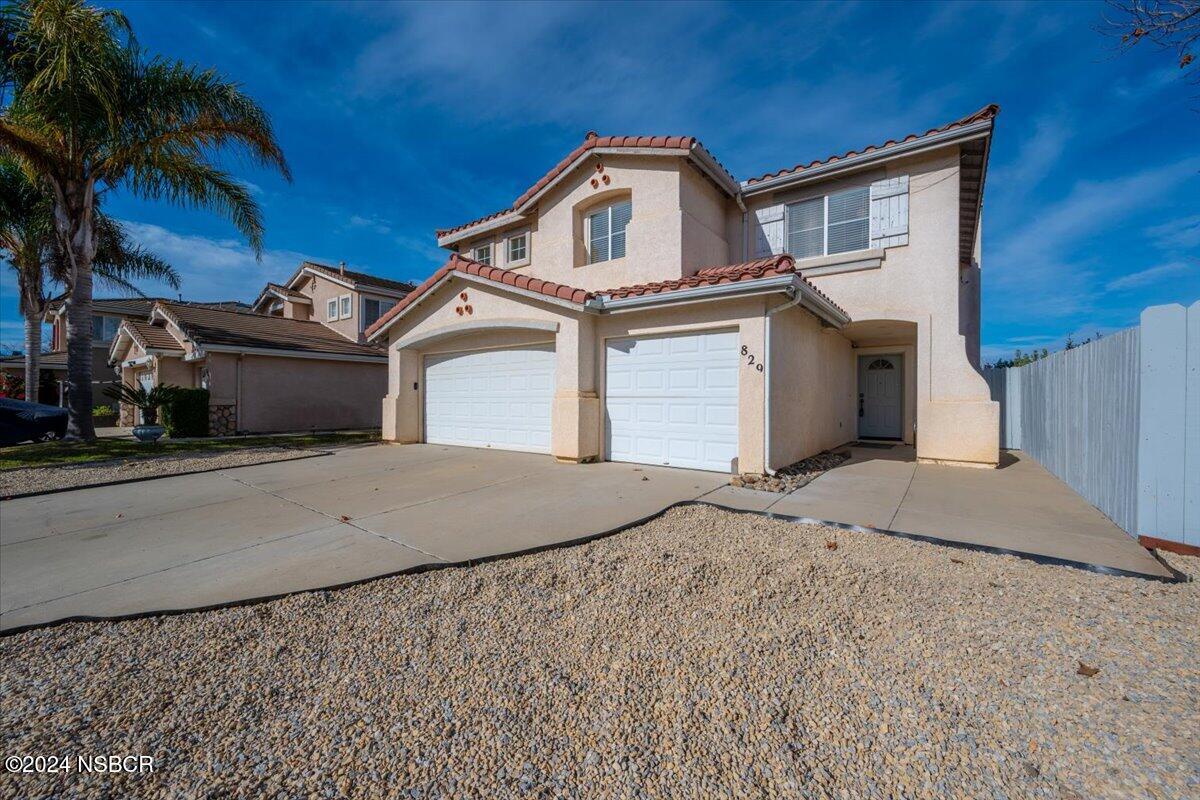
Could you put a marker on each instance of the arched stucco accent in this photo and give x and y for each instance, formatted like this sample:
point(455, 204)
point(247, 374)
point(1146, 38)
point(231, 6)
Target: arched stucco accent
point(510, 323)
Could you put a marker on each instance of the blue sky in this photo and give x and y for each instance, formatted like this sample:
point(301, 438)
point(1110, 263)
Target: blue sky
point(398, 119)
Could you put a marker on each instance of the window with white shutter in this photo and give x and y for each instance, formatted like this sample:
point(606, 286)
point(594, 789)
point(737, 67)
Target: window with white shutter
point(606, 231)
point(889, 212)
point(830, 224)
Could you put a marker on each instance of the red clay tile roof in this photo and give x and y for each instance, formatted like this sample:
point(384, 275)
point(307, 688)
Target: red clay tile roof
point(985, 113)
point(710, 276)
point(590, 142)
point(503, 276)
point(782, 264)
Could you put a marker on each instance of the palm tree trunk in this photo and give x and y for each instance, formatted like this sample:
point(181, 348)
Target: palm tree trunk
point(33, 355)
point(79, 357)
point(76, 225)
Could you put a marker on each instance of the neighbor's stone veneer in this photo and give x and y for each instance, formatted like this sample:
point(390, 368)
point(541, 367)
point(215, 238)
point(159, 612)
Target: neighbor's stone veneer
point(128, 415)
point(222, 419)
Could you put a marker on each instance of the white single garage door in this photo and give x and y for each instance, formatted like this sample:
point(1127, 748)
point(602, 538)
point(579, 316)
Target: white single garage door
point(491, 398)
point(673, 400)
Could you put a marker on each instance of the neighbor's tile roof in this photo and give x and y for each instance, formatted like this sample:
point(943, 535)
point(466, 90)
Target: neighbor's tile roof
point(710, 276)
point(206, 326)
point(151, 337)
point(590, 142)
point(53, 360)
point(286, 292)
point(985, 113)
point(140, 306)
point(360, 278)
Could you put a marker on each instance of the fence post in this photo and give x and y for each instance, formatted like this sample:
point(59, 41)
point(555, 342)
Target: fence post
point(1162, 450)
point(1191, 476)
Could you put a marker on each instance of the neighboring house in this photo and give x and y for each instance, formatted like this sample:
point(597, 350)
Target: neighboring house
point(107, 315)
point(264, 373)
point(52, 375)
point(638, 303)
point(348, 302)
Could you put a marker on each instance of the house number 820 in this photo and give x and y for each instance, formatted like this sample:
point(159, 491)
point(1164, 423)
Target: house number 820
point(751, 361)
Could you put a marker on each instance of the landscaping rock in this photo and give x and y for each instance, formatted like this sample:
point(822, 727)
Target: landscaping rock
point(793, 476)
point(705, 654)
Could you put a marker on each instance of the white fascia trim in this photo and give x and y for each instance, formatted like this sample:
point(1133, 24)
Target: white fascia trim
point(137, 362)
point(973, 131)
point(200, 353)
point(709, 166)
point(340, 281)
point(557, 301)
point(483, 227)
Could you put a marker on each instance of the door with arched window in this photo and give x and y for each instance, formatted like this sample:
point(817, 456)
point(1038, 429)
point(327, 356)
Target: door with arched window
point(880, 397)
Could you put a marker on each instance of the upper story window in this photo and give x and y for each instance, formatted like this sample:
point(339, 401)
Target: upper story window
point(606, 231)
point(833, 223)
point(373, 310)
point(347, 306)
point(483, 254)
point(104, 328)
point(517, 251)
point(331, 309)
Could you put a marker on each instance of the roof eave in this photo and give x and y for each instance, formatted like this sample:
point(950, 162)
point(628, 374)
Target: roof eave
point(966, 133)
point(786, 283)
point(203, 350)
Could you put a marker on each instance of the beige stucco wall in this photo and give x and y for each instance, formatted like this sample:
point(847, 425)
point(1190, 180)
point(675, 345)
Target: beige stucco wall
point(286, 394)
point(321, 292)
point(677, 224)
point(812, 374)
point(920, 283)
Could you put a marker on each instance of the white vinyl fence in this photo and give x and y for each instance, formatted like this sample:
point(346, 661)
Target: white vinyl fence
point(1118, 420)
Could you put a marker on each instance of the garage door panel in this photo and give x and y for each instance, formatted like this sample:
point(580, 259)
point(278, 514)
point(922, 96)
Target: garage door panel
point(491, 398)
point(673, 400)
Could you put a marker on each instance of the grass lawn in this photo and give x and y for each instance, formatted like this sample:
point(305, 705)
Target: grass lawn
point(49, 454)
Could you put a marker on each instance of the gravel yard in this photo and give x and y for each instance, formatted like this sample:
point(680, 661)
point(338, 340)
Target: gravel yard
point(706, 654)
point(793, 476)
point(76, 476)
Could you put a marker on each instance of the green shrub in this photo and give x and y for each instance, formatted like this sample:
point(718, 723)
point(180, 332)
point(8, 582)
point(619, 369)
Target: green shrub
point(103, 411)
point(186, 413)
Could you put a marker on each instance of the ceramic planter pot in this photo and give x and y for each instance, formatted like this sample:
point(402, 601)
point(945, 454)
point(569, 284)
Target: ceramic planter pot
point(148, 433)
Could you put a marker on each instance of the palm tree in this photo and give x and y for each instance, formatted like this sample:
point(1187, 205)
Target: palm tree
point(28, 243)
point(90, 112)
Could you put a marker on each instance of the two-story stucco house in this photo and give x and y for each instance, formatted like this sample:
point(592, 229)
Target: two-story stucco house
point(296, 360)
point(638, 303)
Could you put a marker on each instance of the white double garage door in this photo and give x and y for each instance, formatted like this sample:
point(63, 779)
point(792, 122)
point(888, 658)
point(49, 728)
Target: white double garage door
point(669, 400)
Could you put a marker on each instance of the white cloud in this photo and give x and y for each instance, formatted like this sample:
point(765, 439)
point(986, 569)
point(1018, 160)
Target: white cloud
point(214, 269)
point(1152, 275)
point(1038, 153)
point(1182, 233)
point(372, 223)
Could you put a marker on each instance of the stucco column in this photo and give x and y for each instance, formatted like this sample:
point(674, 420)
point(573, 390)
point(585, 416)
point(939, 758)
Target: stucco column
point(752, 397)
point(575, 417)
point(957, 420)
point(402, 404)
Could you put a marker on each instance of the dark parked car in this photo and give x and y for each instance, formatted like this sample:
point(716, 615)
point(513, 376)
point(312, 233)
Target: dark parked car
point(30, 422)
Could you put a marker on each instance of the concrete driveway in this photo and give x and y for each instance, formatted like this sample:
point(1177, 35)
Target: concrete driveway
point(216, 537)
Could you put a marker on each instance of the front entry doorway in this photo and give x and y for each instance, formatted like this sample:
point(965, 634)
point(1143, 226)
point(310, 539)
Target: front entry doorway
point(880, 397)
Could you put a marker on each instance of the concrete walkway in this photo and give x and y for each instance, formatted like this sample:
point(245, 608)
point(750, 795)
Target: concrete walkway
point(196, 540)
point(1019, 507)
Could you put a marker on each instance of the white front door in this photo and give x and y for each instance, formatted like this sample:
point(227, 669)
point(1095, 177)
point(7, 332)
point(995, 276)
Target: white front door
point(673, 400)
point(880, 397)
point(491, 398)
